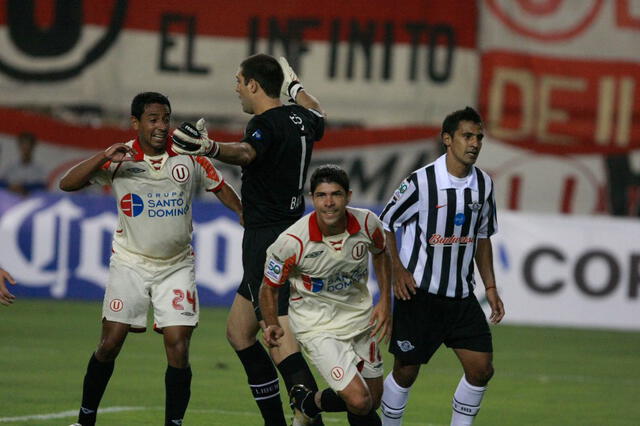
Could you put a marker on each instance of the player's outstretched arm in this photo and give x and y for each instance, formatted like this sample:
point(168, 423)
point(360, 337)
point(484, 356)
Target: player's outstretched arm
point(80, 174)
point(484, 261)
point(190, 139)
point(6, 298)
point(293, 89)
point(381, 315)
point(404, 285)
point(269, 310)
point(229, 197)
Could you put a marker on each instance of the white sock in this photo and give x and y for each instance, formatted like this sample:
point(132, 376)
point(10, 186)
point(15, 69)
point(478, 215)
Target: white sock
point(466, 403)
point(394, 400)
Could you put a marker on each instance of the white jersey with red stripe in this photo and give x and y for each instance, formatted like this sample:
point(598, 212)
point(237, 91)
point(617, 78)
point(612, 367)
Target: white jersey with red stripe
point(154, 196)
point(328, 274)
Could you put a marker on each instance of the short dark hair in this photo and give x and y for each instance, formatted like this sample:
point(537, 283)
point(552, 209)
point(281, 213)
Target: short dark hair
point(266, 70)
point(146, 98)
point(329, 173)
point(451, 122)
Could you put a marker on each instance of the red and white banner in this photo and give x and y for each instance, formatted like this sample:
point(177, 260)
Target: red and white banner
point(368, 62)
point(557, 81)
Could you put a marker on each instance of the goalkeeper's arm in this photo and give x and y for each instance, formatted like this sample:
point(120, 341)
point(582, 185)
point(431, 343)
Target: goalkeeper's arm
point(194, 140)
point(292, 88)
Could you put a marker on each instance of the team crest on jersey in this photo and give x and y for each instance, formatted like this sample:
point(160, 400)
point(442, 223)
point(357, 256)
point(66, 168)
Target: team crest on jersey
point(180, 173)
point(359, 250)
point(475, 206)
point(257, 135)
point(131, 205)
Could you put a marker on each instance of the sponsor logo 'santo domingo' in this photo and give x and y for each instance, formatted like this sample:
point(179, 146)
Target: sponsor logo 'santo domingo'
point(131, 205)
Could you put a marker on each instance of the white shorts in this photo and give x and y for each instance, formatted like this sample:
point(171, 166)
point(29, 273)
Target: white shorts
point(169, 287)
point(338, 361)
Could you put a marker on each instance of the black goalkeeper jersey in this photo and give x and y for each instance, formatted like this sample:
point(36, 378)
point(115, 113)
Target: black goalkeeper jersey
point(272, 185)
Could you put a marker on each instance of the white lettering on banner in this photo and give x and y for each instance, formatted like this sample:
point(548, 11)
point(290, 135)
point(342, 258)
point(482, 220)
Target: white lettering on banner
point(43, 243)
point(93, 231)
point(218, 277)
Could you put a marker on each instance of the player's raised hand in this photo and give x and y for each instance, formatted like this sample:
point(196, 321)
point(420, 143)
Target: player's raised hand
point(119, 152)
point(194, 140)
point(291, 85)
point(6, 298)
point(272, 333)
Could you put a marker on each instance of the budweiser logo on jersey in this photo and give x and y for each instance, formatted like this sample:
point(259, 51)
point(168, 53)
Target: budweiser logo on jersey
point(439, 240)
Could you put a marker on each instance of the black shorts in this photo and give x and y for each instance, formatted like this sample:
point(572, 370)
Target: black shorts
point(422, 323)
point(255, 243)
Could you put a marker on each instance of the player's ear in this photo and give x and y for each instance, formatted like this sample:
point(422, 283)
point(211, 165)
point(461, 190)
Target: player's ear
point(253, 86)
point(446, 139)
point(349, 196)
point(135, 123)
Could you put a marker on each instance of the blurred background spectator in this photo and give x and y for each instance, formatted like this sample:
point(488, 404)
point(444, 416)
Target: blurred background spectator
point(24, 175)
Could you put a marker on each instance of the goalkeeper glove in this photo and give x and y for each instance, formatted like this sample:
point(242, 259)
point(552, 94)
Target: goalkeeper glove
point(194, 140)
point(290, 86)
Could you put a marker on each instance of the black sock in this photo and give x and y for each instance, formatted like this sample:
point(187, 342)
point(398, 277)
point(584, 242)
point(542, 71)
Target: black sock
point(370, 419)
point(177, 382)
point(295, 371)
point(263, 381)
point(95, 382)
point(331, 402)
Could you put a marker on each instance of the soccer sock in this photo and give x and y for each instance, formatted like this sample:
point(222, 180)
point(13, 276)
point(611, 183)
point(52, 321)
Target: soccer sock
point(177, 383)
point(466, 403)
point(95, 382)
point(263, 381)
point(295, 371)
point(394, 401)
point(370, 419)
point(331, 402)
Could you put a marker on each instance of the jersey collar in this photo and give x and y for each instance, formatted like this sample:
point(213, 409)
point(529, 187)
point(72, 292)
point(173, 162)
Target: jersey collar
point(140, 154)
point(314, 230)
point(442, 175)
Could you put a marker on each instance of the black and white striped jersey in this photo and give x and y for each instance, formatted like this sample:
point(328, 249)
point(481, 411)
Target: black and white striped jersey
point(440, 221)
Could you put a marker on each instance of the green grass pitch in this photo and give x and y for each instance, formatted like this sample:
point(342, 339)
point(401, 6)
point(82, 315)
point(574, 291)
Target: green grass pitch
point(544, 376)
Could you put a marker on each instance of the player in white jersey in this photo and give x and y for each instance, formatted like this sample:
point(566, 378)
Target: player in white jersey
point(324, 255)
point(447, 214)
point(152, 259)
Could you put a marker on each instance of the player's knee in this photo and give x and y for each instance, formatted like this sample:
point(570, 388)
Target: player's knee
point(108, 349)
point(360, 405)
point(405, 376)
point(481, 376)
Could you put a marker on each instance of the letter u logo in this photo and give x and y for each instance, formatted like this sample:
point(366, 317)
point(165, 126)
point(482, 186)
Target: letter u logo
point(180, 173)
point(359, 250)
